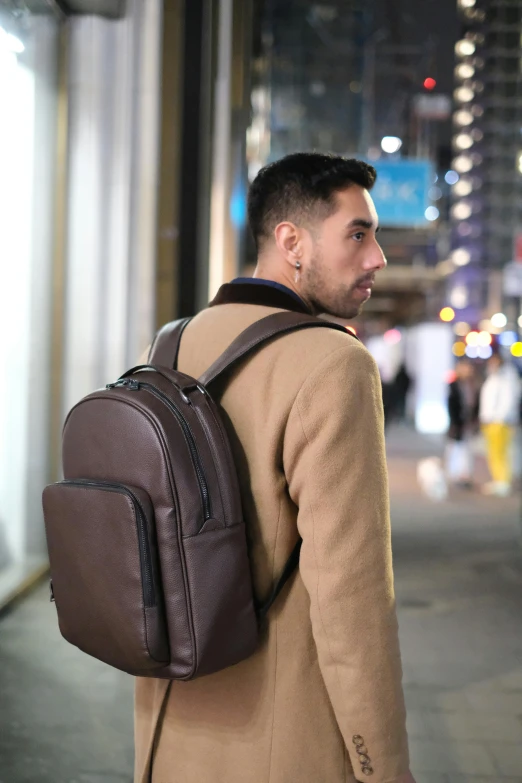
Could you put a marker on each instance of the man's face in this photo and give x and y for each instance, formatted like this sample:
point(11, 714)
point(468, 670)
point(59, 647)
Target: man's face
point(343, 257)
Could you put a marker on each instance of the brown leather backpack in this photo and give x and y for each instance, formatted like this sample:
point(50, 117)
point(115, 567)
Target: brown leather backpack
point(147, 544)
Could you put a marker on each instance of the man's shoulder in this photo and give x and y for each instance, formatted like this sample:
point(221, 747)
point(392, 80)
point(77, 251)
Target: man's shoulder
point(299, 352)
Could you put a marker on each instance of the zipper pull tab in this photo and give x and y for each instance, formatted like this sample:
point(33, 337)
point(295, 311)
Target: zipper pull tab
point(127, 383)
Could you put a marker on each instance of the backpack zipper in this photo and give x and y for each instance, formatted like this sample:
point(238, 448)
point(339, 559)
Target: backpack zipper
point(133, 385)
point(149, 592)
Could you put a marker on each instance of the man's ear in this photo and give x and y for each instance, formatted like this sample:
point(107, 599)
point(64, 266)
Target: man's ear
point(289, 241)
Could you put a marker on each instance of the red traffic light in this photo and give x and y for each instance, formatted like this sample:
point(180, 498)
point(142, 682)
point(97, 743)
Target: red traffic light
point(429, 83)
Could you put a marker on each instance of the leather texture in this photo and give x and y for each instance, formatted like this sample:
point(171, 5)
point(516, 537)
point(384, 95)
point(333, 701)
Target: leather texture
point(151, 503)
point(165, 347)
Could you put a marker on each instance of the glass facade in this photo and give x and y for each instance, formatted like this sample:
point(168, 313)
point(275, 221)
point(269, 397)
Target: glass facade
point(29, 46)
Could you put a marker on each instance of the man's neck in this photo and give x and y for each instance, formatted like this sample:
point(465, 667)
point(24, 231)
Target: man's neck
point(263, 274)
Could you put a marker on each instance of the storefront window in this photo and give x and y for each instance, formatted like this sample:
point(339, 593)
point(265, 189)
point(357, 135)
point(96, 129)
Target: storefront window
point(28, 110)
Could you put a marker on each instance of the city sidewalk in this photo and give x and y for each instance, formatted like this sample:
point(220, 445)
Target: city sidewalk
point(458, 572)
point(64, 718)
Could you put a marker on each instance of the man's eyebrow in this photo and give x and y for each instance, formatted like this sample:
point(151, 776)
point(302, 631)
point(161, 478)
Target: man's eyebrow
point(361, 223)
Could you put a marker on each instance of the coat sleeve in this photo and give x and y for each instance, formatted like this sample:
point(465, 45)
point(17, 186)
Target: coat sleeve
point(334, 460)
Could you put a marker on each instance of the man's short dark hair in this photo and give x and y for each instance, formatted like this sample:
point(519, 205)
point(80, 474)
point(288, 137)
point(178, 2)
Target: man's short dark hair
point(301, 188)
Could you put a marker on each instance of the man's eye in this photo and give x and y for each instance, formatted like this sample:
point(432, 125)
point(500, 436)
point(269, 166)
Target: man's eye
point(359, 236)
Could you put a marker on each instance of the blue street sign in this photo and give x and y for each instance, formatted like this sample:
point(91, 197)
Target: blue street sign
point(401, 192)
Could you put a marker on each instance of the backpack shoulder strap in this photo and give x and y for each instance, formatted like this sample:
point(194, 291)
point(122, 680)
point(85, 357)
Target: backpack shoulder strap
point(259, 333)
point(165, 348)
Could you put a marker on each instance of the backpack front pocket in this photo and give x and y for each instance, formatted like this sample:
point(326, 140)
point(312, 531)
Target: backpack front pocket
point(105, 573)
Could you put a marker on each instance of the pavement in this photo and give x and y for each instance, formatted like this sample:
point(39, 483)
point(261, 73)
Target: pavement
point(458, 574)
point(65, 718)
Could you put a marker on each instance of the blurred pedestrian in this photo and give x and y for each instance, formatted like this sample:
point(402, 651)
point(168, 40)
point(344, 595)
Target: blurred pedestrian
point(401, 387)
point(499, 414)
point(321, 699)
point(463, 410)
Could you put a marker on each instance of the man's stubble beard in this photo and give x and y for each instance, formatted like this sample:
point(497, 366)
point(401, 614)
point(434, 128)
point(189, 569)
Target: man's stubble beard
point(324, 296)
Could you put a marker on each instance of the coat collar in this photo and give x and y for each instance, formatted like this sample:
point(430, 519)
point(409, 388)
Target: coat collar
point(260, 294)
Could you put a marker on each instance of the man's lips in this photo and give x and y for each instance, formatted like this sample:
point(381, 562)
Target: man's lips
point(365, 285)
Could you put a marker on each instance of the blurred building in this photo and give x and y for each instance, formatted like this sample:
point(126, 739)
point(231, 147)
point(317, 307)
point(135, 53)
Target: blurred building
point(486, 213)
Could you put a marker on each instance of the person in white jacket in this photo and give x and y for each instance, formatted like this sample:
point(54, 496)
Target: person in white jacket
point(499, 414)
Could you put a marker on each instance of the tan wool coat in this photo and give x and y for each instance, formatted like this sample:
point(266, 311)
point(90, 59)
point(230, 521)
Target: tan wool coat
point(321, 700)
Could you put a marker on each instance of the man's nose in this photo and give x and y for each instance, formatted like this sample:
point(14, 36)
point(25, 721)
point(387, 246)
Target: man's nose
point(376, 259)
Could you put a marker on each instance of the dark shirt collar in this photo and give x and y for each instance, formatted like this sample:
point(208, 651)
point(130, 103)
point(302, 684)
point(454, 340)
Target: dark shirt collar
point(266, 293)
point(260, 281)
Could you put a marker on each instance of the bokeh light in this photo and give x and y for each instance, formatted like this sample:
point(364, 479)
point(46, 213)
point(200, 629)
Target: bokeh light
point(451, 177)
point(465, 48)
point(463, 188)
point(484, 338)
point(431, 214)
point(459, 349)
point(464, 71)
point(392, 336)
point(463, 141)
point(472, 338)
point(461, 256)
point(516, 350)
point(464, 94)
point(461, 211)
point(508, 338)
point(463, 164)
point(499, 320)
point(461, 328)
point(447, 314)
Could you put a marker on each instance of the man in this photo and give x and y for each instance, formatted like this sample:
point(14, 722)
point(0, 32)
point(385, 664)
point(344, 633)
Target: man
point(499, 413)
point(321, 700)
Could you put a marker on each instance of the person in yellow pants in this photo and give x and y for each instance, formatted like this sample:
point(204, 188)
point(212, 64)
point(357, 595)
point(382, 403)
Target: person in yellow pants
point(499, 414)
point(498, 445)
